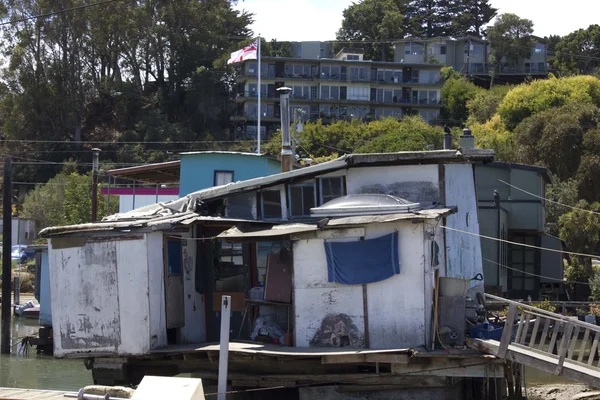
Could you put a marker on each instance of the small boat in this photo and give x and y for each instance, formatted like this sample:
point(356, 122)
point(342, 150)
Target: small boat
point(32, 313)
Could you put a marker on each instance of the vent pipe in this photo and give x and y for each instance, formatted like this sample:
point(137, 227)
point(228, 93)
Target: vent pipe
point(286, 143)
point(467, 141)
point(447, 139)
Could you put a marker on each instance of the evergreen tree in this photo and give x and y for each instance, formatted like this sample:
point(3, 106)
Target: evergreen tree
point(470, 16)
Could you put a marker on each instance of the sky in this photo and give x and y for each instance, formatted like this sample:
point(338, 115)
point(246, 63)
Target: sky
point(319, 20)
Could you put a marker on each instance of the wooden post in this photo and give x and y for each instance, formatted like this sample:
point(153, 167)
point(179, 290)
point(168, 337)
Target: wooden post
point(507, 332)
point(564, 344)
point(6, 261)
point(224, 347)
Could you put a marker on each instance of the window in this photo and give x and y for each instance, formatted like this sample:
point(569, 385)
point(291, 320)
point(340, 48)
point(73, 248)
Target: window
point(332, 188)
point(330, 92)
point(525, 264)
point(302, 198)
point(223, 177)
point(443, 49)
point(539, 48)
point(358, 93)
point(414, 49)
point(300, 92)
point(271, 204)
point(358, 74)
point(351, 57)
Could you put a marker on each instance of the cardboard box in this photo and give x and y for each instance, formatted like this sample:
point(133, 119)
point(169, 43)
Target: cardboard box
point(238, 300)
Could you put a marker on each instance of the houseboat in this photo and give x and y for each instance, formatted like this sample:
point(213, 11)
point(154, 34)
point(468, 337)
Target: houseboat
point(350, 276)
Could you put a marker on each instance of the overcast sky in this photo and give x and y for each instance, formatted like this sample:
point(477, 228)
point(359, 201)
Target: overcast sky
point(320, 19)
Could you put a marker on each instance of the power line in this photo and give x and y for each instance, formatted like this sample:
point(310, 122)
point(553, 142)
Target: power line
point(15, 21)
point(548, 200)
point(520, 244)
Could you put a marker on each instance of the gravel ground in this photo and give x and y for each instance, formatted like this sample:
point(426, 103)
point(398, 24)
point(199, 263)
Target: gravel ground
point(562, 392)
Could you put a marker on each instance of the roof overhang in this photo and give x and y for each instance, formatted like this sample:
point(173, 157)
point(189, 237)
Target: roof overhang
point(253, 232)
point(160, 173)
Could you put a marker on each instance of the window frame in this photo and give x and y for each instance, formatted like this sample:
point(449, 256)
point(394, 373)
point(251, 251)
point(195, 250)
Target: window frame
point(342, 178)
point(262, 205)
point(312, 184)
point(223, 171)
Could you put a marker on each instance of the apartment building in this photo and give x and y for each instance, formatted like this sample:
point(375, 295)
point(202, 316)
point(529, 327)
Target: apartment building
point(470, 56)
point(343, 87)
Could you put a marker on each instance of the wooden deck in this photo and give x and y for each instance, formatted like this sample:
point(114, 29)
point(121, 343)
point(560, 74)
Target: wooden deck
point(30, 394)
point(274, 350)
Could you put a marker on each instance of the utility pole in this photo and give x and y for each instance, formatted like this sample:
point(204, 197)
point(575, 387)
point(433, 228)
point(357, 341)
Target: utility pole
point(95, 184)
point(286, 145)
point(6, 262)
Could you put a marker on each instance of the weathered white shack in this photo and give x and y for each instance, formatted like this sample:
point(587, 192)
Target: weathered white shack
point(148, 282)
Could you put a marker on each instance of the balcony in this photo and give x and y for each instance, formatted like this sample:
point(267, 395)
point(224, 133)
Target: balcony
point(410, 101)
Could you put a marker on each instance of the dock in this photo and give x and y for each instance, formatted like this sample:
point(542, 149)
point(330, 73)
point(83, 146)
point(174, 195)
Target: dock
point(30, 394)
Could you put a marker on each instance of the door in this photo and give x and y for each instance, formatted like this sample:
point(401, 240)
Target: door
point(174, 284)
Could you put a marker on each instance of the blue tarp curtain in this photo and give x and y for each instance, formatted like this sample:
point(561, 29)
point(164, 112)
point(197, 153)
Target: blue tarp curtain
point(364, 261)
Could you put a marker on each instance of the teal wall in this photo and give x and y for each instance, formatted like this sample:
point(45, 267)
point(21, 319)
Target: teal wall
point(197, 171)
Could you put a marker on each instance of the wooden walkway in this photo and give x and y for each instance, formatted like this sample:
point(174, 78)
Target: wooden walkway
point(30, 394)
point(547, 341)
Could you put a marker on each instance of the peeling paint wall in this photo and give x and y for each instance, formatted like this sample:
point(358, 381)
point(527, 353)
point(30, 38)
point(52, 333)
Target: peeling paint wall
point(412, 182)
point(156, 290)
point(463, 251)
point(194, 330)
point(99, 296)
point(326, 312)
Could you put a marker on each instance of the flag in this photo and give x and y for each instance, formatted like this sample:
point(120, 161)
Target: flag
point(247, 53)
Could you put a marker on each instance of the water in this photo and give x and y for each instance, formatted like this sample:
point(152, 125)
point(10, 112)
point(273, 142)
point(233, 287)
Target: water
point(38, 371)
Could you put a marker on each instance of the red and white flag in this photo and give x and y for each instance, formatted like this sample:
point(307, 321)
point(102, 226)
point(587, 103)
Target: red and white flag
point(247, 53)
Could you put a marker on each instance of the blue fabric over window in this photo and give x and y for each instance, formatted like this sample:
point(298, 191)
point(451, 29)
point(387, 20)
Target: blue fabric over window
point(364, 261)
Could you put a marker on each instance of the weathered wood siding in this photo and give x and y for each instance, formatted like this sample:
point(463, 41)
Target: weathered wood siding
point(100, 300)
point(463, 251)
point(395, 307)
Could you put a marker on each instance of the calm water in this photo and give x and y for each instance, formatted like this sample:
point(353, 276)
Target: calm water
point(43, 372)
point(39, 372)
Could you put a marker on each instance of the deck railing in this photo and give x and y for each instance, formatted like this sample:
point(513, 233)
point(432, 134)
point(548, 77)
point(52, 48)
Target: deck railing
point(549, 334)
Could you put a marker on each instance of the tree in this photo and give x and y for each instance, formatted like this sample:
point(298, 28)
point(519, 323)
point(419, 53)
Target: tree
point(482, 107)
point(430, 18)
point(470, 16)
point(555, 137)
point(456, 92)
point(63, 200)
point(559, 192)
point(579, 52)
point(410, 134)
point(528, 99)
point(493, 135)
point(373, 20)
point(319, 141)
point(580, 229)
point(510, 39)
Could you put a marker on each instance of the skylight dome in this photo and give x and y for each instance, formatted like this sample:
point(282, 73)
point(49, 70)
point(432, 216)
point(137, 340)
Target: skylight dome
point(365, 204)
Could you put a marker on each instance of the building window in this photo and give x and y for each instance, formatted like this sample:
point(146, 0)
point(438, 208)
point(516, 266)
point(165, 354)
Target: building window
point(332, 188)
point(301, 197)
point(223, 177)
point(351, 57)
point(443, 49)
point(415, 49)
point(271, 204)
point(330, 92)
point(524, 263)
point(358, 93)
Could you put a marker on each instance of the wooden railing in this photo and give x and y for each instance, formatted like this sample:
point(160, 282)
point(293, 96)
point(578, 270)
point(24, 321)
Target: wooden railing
point(549, 334)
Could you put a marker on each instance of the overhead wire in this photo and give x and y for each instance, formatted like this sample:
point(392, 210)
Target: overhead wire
point(16, 21)
point(520, 244)
point(548, 200)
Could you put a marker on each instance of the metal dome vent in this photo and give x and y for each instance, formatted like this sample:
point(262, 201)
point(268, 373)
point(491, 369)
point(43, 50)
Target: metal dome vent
point(365, 204)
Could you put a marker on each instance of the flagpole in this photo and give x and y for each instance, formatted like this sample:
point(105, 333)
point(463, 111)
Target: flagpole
point(259, 90)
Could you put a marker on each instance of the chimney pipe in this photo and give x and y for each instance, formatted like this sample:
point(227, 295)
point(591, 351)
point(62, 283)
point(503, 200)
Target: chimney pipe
point(467, 141)
point(447, 139)
point(286, 143)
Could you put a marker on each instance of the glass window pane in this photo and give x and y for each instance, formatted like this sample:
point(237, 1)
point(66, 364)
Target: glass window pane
point(517, 284)
point(529, 284)
point(296, 200)
point(271, 204)
point(308, 196)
